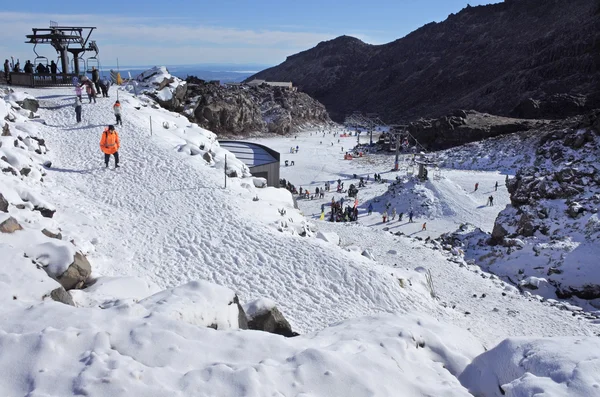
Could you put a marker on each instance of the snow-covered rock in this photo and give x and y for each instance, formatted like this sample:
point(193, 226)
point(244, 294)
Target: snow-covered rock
point(557, 367)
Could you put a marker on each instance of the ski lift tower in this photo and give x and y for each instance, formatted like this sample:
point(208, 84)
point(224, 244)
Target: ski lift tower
point(397, 131)
point(424, 161)
point(65, 40)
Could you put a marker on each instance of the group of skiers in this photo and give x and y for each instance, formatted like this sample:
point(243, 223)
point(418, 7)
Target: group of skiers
point(339, 213)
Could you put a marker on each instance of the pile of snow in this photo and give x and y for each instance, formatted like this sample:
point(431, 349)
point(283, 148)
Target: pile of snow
point(557, 367)
point(126, 350)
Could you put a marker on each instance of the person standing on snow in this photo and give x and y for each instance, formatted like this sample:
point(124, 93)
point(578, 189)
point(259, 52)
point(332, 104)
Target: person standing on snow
point(78, 91)
point(393, 213)
point(104, 86)
point(370, 209)
point(491, 201)
point(109, 144)
point(496, 186)
point(476, 186)
point(410, 217)
point(96, 78)
point(117, 110)
point(6, 69)
point(78, 109)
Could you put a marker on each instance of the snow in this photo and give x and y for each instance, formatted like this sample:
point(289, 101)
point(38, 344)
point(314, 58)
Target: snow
point(557, 367)
point(171, 247)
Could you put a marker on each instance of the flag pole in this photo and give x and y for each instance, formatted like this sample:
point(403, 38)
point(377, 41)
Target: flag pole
point(118, 74)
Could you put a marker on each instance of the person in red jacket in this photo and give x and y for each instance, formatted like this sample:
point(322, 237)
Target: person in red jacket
point(109, 144)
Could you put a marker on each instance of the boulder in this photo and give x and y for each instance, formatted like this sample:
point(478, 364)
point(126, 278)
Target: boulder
point(46, 213)
point(10, 225)
point(3, 204)
point(575, 209)
point(271, 320)
point(48, 233)
point(61, 295)
point(77, 273)
point(208, 157)
point(498, 233)
point(30, 104)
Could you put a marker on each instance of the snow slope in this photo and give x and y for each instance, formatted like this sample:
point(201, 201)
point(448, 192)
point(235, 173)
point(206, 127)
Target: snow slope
point(163, 219)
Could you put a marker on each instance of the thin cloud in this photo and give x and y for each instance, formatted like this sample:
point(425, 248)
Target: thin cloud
point(177, 36)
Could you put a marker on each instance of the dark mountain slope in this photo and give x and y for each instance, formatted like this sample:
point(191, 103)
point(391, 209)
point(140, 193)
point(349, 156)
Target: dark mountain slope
point(487, 58)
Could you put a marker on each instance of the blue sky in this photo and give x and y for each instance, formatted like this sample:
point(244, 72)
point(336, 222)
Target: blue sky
point(259, 32)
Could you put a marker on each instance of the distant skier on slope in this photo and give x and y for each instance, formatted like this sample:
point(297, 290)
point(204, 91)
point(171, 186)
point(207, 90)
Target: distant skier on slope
point(370, 209)
point(109, 144)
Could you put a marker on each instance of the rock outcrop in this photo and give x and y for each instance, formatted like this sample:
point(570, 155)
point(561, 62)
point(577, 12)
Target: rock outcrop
point(488, 58)
point(237, 110)
point(461, 127)
point(554, 211)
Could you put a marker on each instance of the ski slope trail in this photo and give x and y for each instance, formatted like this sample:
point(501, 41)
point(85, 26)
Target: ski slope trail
point(164, 216)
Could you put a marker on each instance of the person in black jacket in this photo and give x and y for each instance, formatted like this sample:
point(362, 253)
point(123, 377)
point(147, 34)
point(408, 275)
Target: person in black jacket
point(28, 68)
point(6, 69)
point(96, 78)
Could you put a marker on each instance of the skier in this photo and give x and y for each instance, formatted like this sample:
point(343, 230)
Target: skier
point(297, 148)
point(384, 216)
point(424, 226)
point(400, 216)
point(78, 109)
point(117, 110)
point(393, 213)
point(491, 201)
point(496, 186)
point(476, 186)
point(370, 208)
point(410, 217)
point(109, 144)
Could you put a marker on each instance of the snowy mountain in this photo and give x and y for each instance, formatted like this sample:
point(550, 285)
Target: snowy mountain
point(141, 280)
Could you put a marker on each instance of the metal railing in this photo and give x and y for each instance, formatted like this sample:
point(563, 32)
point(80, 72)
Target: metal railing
point(41, 79)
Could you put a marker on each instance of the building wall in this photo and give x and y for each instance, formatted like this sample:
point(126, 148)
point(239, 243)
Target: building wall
point(268, 171)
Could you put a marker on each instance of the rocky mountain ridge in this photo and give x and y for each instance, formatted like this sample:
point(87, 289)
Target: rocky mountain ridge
point(544, 241)
point(233, 110)
point(526, 58)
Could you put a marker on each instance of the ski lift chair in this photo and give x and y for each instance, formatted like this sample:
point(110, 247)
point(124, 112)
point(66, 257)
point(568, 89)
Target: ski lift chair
point(40, 59)
point(93, 61)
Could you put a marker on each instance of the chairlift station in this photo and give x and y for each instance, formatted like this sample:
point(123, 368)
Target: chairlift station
point(71, 43)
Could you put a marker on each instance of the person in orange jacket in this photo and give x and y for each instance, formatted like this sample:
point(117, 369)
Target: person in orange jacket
point(109, 144)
